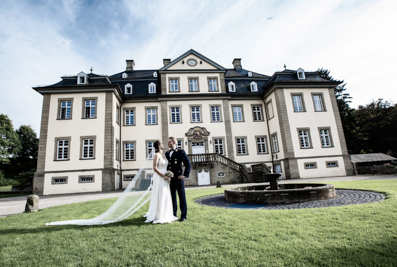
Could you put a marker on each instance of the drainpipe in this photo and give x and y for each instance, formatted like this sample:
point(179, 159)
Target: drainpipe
point(268, 132)
point(120, 146)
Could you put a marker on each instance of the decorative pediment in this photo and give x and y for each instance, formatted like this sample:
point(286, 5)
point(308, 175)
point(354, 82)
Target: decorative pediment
point(192, 60)
point(197, 132)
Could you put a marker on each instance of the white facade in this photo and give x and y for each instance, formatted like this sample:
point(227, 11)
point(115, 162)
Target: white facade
point(95, 136)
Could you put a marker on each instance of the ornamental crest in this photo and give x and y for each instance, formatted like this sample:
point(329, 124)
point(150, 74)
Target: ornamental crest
point(197, 132)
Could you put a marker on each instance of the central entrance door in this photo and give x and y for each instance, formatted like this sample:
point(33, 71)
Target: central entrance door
point(203, 177)
point(198, 148)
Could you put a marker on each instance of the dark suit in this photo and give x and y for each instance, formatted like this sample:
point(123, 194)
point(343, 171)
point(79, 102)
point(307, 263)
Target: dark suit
point(175, 165)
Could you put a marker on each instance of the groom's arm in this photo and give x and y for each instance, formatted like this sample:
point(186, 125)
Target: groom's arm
point(186, 163)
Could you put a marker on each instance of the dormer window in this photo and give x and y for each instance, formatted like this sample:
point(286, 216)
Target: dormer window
point(124, 75)
point(301, 74)
point(231, 86)
point(81, 78)
point(254, 87)
point(128, 89)
point(249, 74)
point(152, 88)
point(155, 74)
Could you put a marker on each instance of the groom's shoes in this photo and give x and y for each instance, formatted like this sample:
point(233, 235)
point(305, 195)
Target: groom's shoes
point(182, 219)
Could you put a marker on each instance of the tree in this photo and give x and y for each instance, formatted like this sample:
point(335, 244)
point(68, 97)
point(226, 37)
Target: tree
point(347, 114)
point(9, 141)
point(26, 159)
point(378, 125)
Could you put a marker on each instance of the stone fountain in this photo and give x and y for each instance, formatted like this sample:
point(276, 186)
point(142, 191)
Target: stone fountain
point(283, 193)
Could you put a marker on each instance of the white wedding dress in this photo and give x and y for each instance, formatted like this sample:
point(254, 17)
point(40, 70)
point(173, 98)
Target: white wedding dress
point(160, 209)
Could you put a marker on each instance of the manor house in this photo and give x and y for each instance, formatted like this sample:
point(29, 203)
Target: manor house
point(97, 130)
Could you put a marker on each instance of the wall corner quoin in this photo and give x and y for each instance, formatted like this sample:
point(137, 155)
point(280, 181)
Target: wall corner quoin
point(348, 165)
point(38, 183)
point(108, 180)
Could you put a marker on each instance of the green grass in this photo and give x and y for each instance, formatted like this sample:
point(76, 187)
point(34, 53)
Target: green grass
point(355, 235)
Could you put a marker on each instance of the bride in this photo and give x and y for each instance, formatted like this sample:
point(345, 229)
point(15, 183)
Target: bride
point(160, 209)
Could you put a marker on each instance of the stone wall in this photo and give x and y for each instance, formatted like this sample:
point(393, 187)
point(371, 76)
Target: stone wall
point(231, 176)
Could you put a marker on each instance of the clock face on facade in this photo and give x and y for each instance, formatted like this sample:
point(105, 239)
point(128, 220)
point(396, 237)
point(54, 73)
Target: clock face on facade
point(192, 62)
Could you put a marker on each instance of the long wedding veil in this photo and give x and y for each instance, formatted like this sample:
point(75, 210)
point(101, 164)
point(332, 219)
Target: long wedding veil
point(132, 199)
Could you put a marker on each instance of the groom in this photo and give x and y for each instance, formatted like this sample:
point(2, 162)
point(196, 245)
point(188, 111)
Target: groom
point(175, 159)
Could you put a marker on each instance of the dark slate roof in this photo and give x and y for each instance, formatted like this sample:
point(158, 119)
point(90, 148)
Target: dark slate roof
point(371, 157)
point(289, 76)
point(243, 86)
point(133, 74)
point(237, 73)
point(140, 88)
point(93, 79)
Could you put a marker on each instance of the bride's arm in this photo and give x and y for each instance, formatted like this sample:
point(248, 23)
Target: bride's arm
point(155, 163)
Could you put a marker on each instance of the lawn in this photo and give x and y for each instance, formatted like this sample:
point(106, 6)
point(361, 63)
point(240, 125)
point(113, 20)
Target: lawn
point(355, 235)
point(5, 188)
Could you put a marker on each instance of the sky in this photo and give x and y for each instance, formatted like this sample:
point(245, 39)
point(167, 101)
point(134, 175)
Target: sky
point(40, 41)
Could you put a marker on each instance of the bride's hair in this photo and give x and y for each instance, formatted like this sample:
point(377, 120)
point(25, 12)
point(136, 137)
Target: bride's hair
point(156, 146)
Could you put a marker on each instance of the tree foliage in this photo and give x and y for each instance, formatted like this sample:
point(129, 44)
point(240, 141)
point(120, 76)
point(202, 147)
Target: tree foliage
point(9, 141)
point(378, 126)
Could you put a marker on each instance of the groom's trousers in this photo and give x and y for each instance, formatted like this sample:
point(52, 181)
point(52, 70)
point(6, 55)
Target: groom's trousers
point(179, 185)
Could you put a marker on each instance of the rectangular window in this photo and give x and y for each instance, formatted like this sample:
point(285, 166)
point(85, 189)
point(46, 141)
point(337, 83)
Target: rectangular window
point(304, 138)
point(196, 114)
point(332, 164)
point(129, 177)
point(215, 113)
point(62, 149)
point(179, 144)
point(88, 149)
point(298, 104)
point(193, 85)
point(310, 165)
point(129, 151)
point(149, 150)
point(241, 146)
point(270, 113)
point(65, 110)
point(175, 115)
point(318, 103)
point(86, 179)
point(275, 143)
point(325, 138)
point(237, 114)
point(117, 150)
point(212, 85)
point(261, 145)
point(152, 88)
point(89, 109)
point(151, 116)
point(257, 113)
point(118, 114)
point(174, 87)
point(218, 146)
point(59, 180)
point(129, 117)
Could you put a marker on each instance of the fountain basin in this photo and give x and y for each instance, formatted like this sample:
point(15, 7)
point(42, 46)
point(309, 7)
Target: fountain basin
point(288, 193)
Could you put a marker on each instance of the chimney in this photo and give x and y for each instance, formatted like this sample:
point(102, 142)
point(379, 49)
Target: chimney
point(130, 64)
point(166, 61)
point(237, 64)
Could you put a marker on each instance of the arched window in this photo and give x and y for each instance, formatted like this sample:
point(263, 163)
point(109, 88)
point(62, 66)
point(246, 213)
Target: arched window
point(152, 88)
point(124, 75)
point(249, 74)
point(231, 86)
point(301, 74)
point(128, 89)
point(82, 78)
point(254, 87)
point(155, 74)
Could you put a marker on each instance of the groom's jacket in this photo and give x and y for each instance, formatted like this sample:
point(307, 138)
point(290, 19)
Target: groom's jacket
point(175, 162)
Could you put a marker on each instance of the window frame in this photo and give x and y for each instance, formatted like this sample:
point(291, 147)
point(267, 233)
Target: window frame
point(124, 150)
point(220, 113)
point(231, 85)
point(86, 176)
point(322, 101)
point(200, 113)
point(84, 107)
point(67, 138)
point(267, 109)
point(329, 134)
point(180, 113)
point(152, 85)
point(253, 113)
point(178, 84)
point(125, 116)
point(198, 84)
point(60, 100)
point(223, 144)
point(155, 114)
point(117, 114)
point(277, 142)
point(333, 161)
point(245, 143)
point(59, 177)
point(147, 148)
point(128, 175)
point(265, 141)
point(82, 138)
point(254, 85)
point(308, 137)
point(180, 140)
point(310, 163)
point(302, 102)
point(216, 83)
point(117, 150)
point(242, 112)
point(128, 85)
